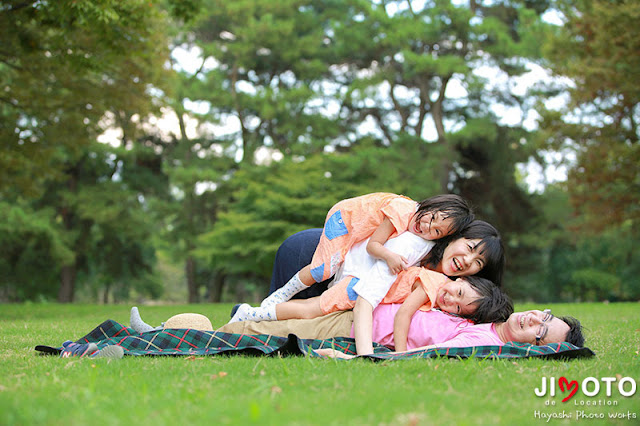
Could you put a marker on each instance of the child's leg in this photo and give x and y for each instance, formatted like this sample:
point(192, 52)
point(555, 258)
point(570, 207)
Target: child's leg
point(335, 241)
point(328, 256)
point(340, 297)
point(296, 284)
point(292, 309)
point(299, 309)
point(246, 313)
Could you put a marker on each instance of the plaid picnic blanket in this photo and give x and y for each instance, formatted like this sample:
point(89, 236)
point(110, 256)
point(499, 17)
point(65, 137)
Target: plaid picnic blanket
point(173, 342)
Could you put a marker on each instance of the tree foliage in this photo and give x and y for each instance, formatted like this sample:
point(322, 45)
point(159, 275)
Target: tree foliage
point(32, 245)
point(291, 106)
point(597, 48)
point(64, 64)
point(273, 202)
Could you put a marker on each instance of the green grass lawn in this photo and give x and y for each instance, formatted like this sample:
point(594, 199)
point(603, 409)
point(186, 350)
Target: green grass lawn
point(297, 390)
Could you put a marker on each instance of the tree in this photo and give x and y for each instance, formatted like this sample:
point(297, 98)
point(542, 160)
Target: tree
point(485, 176)
point(33, 249)
point(197, 189)
point(597, 48)
point(404, 77)
point(65, 66)
point(103, 220)
point(271, 60)
point(91, 228)
point(299, 78)
point(273, 202)
point(62, 66)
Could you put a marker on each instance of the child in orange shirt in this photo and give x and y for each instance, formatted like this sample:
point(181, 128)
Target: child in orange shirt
point(475, 298)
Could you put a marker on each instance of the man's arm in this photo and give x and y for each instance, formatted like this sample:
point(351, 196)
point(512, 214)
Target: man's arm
point(421, 348)
point(332, 353)
point(402, 320)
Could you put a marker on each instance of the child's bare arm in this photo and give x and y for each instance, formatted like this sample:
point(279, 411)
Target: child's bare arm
point(376, 247)
point(363, 326)
point(402, 320)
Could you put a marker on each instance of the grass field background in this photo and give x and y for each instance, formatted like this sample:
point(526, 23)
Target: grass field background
point(48, 390)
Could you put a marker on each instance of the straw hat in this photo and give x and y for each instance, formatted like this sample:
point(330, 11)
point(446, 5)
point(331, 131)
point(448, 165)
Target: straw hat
point(193, 321)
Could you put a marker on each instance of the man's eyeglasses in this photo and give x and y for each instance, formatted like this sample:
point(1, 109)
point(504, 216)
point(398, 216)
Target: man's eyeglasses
point(543, 328)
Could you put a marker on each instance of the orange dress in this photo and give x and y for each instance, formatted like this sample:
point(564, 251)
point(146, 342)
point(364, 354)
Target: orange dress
point(430, 281)
point(353, 220)
point(342, 297)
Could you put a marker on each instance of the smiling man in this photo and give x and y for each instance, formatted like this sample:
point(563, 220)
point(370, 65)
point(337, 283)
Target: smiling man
point(428, 329)
point(436, 329)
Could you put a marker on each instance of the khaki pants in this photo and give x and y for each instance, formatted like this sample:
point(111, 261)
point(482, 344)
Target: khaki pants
point(337, 324)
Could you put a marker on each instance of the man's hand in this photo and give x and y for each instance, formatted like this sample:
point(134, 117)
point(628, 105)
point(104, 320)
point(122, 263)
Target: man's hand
point(332, 353)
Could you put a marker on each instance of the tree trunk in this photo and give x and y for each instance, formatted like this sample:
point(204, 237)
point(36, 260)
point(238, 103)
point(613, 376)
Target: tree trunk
point(216, 286)
point(105, 295)
point(446, 162)
point(67, 283)
point(68, 272)
point(446, 166)
point(190, 273)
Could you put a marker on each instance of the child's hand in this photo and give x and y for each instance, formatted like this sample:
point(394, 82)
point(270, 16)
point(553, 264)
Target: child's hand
point(396, 263)
point(402, 319)
point(332, 353)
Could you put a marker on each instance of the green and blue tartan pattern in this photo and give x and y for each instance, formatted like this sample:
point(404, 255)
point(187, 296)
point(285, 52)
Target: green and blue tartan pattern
point(173, 342)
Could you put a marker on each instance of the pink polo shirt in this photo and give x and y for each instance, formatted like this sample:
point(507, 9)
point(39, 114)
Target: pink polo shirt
point(433, 328)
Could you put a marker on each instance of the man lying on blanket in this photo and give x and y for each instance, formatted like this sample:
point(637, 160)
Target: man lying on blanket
point(428, 329)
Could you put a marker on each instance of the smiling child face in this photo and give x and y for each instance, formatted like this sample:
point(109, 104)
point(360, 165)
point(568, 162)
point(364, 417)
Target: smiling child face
point(457, 297)
point(432, 226)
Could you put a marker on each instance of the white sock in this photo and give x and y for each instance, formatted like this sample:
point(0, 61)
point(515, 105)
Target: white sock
point(240, 313)
point(284, 293)
point(137, 324)
point(246, 313)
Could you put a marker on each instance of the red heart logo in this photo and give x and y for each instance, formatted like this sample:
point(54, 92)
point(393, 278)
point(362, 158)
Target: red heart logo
point(572, 386)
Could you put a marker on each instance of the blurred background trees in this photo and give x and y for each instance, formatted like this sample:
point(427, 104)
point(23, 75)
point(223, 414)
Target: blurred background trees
point(163, 150)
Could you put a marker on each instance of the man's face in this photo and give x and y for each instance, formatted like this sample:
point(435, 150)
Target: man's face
point(525, 326)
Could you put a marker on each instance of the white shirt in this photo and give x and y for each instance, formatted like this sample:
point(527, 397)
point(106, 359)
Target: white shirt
point(375, 277)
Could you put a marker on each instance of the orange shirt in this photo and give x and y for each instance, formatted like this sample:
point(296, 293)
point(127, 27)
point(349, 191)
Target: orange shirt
point(362, 215)
point(430, 280)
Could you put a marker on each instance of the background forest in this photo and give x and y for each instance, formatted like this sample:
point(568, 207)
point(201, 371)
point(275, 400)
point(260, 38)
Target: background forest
point(164, 149)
